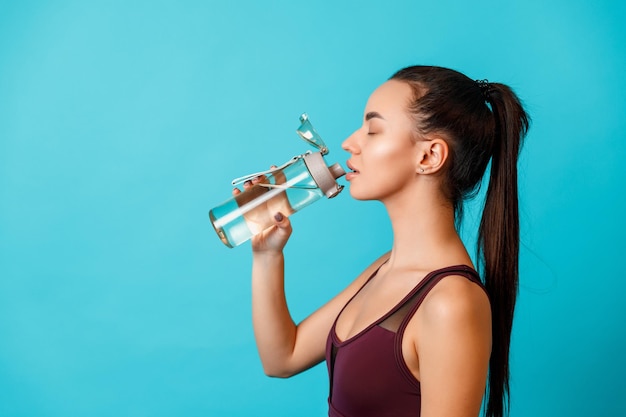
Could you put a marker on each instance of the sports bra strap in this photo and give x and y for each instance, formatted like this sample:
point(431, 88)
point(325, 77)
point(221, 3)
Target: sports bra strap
point(399, 318)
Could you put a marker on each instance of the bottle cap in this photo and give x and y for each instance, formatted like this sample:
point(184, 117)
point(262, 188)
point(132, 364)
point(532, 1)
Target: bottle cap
point(308, 134)
point(323, 175)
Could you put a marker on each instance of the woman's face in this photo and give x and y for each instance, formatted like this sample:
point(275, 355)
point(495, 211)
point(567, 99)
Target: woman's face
point(383, 150)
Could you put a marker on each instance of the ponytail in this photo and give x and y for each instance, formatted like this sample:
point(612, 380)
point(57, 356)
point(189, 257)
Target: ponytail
point(498, 238)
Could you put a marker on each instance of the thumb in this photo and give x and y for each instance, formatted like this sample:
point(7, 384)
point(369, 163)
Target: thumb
point(282, 221)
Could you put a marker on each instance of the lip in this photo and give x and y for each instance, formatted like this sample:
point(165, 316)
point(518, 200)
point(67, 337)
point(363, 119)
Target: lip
point(354, 172)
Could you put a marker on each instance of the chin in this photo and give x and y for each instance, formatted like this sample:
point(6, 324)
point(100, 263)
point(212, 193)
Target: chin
point(354, 193)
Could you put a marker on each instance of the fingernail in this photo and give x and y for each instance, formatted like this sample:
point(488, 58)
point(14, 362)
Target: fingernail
point(279, 217)
point(248, 182)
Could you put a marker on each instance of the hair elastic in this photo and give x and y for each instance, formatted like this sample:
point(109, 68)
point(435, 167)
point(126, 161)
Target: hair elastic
point(485, 88)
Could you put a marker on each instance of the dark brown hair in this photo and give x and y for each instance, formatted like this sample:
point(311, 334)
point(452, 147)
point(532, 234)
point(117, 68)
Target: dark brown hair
point(483, 123)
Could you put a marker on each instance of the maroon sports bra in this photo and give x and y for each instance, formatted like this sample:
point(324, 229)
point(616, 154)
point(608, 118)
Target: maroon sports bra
point(368, 374)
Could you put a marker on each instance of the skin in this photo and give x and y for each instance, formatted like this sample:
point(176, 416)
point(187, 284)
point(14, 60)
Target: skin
point(261, 217)
point(448, 341)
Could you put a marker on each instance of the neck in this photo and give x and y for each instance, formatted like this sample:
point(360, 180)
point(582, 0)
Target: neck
point(424, 233)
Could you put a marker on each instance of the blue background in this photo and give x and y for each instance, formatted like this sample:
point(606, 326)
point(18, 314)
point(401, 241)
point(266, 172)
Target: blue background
point(123, 122)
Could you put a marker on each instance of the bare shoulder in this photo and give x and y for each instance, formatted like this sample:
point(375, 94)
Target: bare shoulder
point(452, 345)
point(367, 272)
point(456, 300)
point(337, 302)
point(360, 280)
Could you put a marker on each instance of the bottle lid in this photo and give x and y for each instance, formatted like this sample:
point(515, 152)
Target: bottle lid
point(323, 175)
point(308, 134)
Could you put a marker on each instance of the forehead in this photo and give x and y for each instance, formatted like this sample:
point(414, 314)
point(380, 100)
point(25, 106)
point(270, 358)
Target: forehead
point(391, 97)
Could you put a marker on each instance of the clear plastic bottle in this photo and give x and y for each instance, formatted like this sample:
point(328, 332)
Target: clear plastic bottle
point(287, 189)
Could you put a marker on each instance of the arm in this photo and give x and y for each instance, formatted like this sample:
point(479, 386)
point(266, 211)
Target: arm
point(453, 344)
point(274, 329)
point(285, 348)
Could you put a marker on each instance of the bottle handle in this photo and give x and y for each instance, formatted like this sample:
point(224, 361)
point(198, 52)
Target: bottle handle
point(248, 177)
point(307, 132)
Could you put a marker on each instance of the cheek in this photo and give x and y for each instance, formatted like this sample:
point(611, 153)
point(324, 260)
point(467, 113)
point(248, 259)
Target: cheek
point(384, 172)
point(395, 166)
point(391, 154)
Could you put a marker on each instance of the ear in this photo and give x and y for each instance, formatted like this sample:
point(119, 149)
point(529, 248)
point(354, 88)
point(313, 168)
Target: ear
point(432, 156)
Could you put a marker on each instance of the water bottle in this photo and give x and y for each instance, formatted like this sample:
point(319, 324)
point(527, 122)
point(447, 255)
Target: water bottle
point(286, 189)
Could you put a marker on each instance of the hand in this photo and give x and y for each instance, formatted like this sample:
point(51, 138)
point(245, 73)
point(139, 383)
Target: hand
point(268, 221)
point(274, 238)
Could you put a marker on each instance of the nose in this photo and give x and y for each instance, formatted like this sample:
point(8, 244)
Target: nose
point(350, 144)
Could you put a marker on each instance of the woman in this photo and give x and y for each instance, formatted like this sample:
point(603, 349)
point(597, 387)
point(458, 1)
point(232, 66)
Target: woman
point(417, 332)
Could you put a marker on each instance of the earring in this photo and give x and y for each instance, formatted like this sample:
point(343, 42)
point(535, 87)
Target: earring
point(422, 170)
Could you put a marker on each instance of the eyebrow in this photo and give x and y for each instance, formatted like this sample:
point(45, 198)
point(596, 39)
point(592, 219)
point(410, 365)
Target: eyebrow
point(373, 115)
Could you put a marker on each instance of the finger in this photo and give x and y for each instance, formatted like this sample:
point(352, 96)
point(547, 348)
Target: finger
point(260, 178)
point(283, 226)
point(236, 191)
point(247, 184)
point(281, 220)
